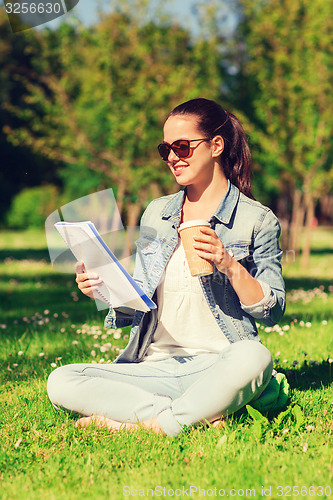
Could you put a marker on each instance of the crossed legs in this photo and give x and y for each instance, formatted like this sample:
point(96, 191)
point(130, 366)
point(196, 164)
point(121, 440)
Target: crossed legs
point(163, 395)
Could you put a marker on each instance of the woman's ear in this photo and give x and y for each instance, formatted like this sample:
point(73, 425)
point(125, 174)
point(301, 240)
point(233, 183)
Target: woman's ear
point(217, 146)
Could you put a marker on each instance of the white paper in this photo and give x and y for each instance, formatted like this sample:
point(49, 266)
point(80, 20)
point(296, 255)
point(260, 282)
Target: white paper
point(119, 288)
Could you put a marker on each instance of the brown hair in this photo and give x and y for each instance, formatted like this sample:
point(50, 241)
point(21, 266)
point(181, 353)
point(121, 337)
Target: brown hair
point(214, 120)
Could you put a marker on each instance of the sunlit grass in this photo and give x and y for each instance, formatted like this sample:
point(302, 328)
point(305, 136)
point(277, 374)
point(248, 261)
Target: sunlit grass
point(46, 323)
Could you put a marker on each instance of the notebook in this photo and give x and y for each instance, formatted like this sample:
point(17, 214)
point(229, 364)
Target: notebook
point(119, 288)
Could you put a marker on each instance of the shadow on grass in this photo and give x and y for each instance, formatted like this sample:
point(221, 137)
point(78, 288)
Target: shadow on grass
point(61, 280)
point(18, 304)
point(25, 295)
point(25, 254)
point(306, 283)
point(43, 254)
point(309, 376)
point(321, 251)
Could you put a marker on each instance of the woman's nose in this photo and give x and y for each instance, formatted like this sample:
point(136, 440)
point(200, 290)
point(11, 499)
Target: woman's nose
point(172, 156)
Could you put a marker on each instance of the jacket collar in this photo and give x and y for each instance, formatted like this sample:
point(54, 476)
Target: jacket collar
point(223, 213)
point(227, 206)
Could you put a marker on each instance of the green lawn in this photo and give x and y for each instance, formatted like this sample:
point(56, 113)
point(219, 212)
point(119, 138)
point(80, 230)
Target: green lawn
point(46, 323)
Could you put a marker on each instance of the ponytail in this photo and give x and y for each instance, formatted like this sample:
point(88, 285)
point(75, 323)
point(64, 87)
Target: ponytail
point(236, 156)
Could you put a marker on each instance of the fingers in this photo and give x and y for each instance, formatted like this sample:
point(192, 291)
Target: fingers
point(208, 252)
point(208, 235)
point(209, 246)
point(207, 230)
point(79, 268)
point(88, 289)
point(92, 277)
point(82, 277)
point(87, 282)
point(208, 241)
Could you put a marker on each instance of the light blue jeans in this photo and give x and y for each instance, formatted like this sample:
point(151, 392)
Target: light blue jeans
point(178, 391)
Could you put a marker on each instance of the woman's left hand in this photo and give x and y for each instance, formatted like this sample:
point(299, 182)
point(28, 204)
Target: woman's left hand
point(210, 247)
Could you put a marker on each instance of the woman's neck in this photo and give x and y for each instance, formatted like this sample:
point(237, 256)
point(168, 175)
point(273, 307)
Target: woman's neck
point(201, 202)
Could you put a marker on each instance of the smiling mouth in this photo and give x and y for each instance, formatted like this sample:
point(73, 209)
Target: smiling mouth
point(181, 167)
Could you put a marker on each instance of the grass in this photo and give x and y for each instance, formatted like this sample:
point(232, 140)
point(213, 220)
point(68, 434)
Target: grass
point(45, 323)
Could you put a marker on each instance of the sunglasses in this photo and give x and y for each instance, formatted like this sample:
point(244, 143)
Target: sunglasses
point(182, 148)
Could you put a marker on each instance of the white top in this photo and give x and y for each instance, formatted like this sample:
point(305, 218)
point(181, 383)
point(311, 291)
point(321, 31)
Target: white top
point(186, 326)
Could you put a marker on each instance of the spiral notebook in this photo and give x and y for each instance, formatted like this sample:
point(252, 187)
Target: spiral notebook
point(119, 288)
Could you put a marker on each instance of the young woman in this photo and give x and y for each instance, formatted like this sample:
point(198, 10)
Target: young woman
point(198, 356)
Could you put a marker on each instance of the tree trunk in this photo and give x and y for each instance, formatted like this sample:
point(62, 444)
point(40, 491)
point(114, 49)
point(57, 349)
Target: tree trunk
point(285, 228)
point(310, 209)
point(283, 215)
point(121, 185)
point(297, 221)
point(133, 214)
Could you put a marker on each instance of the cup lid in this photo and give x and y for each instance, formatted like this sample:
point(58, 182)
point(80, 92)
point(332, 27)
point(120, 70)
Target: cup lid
point(193, 223)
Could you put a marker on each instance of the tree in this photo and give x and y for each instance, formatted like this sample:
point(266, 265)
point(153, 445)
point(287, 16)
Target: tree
point(289, 50)
point(101, 99)
point(20, 167)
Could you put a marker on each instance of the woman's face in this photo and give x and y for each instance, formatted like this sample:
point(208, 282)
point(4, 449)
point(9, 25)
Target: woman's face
point(198, 167)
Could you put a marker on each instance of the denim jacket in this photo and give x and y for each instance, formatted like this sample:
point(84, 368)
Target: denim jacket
point(247, 229)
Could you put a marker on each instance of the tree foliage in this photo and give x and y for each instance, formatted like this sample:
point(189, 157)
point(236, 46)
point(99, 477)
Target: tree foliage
point(289, 49)
point(31, 206)
point(20, 167)
point(92, 101)
point(101, 100)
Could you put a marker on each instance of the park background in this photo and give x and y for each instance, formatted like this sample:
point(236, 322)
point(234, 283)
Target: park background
point(83, 102)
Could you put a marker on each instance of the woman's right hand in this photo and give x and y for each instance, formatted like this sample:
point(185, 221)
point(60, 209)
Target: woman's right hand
point(87, 282)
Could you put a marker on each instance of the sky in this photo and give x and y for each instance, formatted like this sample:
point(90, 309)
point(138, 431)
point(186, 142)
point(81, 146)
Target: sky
point(182, 11)
point(86, 11)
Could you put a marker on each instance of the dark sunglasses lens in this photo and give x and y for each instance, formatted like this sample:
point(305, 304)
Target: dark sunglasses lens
point(181, 148)
point(164, 150)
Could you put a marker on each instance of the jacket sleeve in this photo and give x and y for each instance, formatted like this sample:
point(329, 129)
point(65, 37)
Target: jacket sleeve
point(264, 265)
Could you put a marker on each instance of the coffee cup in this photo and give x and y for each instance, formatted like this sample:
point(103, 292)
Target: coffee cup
point(198, 266)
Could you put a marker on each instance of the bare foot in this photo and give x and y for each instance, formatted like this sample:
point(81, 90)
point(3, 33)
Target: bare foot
point(99, 422)
point(218, 424)
point(114, 425)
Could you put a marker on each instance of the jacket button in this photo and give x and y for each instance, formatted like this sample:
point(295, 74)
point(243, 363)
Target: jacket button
point(204, 279)
point(216, 315)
